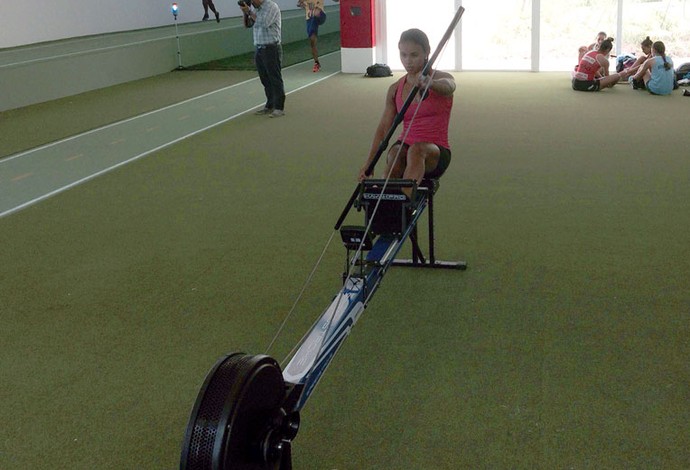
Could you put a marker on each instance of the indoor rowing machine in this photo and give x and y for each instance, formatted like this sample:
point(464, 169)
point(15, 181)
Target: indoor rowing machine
point(247, 412)
point(248, 409)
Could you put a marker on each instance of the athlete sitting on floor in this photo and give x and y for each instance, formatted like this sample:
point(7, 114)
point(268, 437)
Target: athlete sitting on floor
point(601, 36)
point(657, 71)
point(592, 73)
point(423, 145)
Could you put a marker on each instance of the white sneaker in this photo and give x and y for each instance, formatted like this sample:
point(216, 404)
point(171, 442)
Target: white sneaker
point(277, 113)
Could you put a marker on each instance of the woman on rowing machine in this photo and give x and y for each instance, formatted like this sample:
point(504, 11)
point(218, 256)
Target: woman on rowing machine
point(422, 149)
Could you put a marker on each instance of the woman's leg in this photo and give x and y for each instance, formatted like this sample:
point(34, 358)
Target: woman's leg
point(395, 164)
point(611, 80)
point(647, 77)
point(413, 162)
point(636, 65)
point(422, 158)
point(312, 43)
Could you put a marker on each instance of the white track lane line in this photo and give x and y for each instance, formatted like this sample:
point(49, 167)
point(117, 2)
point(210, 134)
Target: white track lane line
point(136, 157)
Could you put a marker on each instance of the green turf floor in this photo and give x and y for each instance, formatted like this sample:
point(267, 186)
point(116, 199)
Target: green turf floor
point(564, 345)
point(293, 52)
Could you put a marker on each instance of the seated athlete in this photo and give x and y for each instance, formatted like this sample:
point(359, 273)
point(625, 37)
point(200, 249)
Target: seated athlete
point(592, 73)
point(646, 46)
point(657, 71)
point(423, 144)
point(601, 36)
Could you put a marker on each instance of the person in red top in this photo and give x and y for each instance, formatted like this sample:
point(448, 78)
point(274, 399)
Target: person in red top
point(422, 149)
point(592, 73)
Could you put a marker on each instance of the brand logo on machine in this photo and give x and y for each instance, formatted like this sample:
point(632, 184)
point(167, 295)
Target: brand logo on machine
point(385, 197)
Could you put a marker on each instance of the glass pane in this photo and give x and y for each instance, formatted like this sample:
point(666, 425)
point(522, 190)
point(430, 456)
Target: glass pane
point(568, 24)
point(497, 35)
point(667, 21)
point(402, 15)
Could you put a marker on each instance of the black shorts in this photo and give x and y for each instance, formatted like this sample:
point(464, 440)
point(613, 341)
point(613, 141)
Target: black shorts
point(586, 85)
point(443, 161)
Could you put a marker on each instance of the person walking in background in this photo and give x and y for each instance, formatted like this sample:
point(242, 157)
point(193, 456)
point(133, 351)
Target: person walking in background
point(209, 4)
point(657, 71)
point(264, 17)
point(315, 17)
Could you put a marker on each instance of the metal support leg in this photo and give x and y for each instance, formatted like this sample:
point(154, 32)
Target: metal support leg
point(418, 260)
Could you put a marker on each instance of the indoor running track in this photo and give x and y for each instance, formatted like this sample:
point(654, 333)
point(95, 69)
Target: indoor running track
point(34, 175)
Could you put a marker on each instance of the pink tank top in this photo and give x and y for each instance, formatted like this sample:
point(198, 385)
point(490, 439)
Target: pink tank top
point(431, 122)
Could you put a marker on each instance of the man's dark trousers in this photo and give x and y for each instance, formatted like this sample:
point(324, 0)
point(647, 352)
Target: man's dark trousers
point(268, 63)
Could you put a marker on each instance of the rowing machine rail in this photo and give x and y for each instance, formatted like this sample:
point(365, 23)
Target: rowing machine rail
point(248, 410)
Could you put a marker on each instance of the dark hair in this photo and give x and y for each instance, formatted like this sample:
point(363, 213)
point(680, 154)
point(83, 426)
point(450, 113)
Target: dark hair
point(418, 37)
point(660, 48)
point(606, 44)
point(647, 42)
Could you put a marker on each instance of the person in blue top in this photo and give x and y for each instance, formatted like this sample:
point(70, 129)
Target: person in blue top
point(657, 71)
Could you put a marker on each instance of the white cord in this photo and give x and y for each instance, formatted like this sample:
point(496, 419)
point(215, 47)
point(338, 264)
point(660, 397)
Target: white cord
point(299, 297)
point(357, 253)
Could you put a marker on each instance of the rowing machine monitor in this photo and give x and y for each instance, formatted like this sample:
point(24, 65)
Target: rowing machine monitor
point(355, 235)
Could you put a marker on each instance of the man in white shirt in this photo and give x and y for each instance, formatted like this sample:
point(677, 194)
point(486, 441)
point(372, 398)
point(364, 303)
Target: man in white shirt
point(265, 20)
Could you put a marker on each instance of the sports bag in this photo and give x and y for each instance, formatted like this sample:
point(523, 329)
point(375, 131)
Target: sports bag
point(682, 71)
point(378, 70)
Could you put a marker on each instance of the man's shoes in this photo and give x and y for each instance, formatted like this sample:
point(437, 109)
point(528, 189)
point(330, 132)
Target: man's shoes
point(277, 113)
point(263, 111)
point(205, 18)
point(217, 17)
point(317, 67)
point(686, 92)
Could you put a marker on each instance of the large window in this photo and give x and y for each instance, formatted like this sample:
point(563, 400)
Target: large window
point(568, 24)
point(497, 35)
point(432, 18)
point(661, 20)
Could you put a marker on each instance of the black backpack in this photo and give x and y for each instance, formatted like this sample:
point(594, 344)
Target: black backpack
point(682, 71)
point(378, 70)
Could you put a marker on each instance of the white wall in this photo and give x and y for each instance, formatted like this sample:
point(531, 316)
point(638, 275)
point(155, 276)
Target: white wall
point(31, 21)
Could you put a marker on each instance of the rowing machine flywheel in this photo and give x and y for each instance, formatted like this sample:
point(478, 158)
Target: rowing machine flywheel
point(237, 422)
